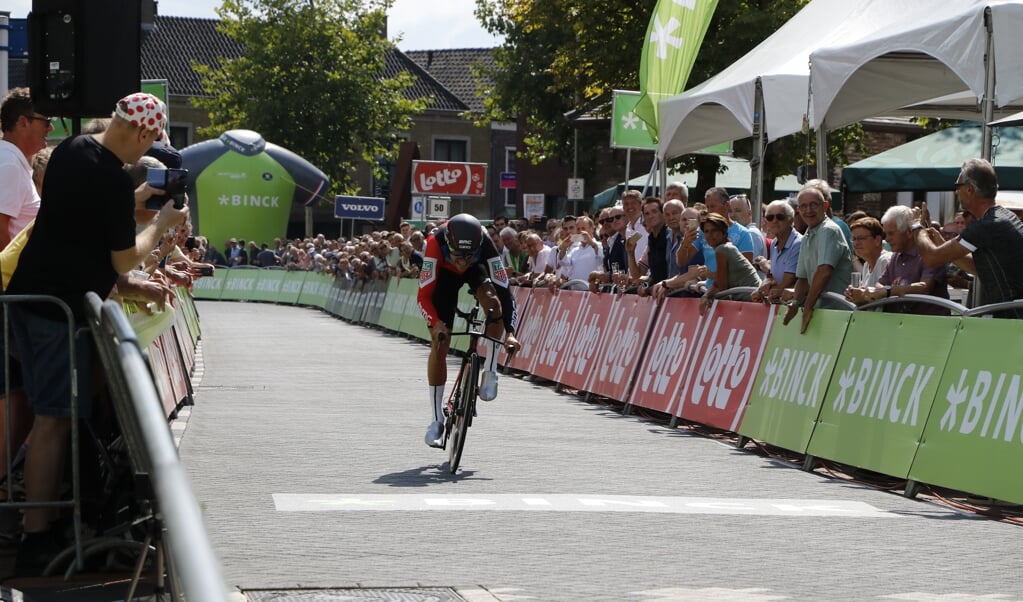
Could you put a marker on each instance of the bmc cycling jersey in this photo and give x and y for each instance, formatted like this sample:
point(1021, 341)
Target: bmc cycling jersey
point(440, 281)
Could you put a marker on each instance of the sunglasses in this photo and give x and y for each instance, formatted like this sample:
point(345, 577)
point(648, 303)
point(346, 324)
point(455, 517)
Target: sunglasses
point(774, 216)
point(48, 120)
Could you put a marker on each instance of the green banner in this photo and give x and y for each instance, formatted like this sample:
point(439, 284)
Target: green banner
point(629, 131)
point(240, 284)
point(248, 197)
point(394, 306)
point(210, 287)
point(291, 287)
point(974, 438)
point(793, 377)
point(413, 323)
point(315, 290)
point(268, 287)
point(884, 383)
point(673, 39)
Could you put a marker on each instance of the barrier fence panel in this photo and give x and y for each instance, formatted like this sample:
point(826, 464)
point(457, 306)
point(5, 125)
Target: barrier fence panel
point(725, 361)
point(530, 327)
point(210, 287)
point(618, 355)
point(268, 285)
point(522, 296)
point(291, 288)
point(562, 324)
point(880, 395)
point(240, 284)
point(590, 327)
point(187, 304)
point(793, 376)
point(413, 323)
point(394, 307)
point(669, 355)
point(315, 290)
point(973, 440)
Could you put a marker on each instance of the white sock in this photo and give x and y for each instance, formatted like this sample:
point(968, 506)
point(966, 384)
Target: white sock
point(437, 401)
point(490, 364)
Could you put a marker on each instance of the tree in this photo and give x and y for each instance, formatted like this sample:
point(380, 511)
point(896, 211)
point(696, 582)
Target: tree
point(311, 79)
point(570, 55)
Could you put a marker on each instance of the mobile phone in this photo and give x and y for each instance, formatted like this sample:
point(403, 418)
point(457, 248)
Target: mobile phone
point(205, 270)
point(577, 238)
point(172, 182)
point(635, 237)
point(692, 223)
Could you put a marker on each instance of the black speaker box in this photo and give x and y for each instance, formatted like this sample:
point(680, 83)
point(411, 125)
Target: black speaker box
point(83, 55)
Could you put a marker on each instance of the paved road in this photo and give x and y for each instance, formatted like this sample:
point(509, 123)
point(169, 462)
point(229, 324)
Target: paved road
point(305, 450)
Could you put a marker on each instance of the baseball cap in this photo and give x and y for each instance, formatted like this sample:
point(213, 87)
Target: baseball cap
point(144, 111)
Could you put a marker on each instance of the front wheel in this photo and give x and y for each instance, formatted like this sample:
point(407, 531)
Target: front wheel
point(465, 406)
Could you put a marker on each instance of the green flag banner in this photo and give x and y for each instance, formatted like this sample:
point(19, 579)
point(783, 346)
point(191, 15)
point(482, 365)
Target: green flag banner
point(629, 131)
point(882, 389)
point(792, 379)
point(974, 438)
point(672, 41)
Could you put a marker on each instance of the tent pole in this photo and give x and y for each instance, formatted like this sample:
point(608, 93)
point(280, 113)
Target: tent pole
point(664, 178)
point(988, 103)
point(756, 187)
point(649, 178)
point(628, 167)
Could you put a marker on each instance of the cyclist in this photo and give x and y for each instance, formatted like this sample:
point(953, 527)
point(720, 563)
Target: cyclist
point(460, 252)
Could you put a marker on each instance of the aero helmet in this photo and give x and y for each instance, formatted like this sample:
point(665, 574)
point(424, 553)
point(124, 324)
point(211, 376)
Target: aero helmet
point(464, 234)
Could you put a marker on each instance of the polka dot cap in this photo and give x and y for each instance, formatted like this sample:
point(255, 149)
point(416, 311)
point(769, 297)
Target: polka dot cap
point(144, 111)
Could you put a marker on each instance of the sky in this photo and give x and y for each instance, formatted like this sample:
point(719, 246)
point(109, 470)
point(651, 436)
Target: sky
point(423, 24)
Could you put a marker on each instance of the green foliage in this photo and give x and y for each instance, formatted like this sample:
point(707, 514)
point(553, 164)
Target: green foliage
point(570, 54)
point(310, 79)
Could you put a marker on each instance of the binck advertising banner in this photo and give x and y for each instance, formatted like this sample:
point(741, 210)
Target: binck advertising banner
point(973, 441)
point(881, 392)
point(794, 374)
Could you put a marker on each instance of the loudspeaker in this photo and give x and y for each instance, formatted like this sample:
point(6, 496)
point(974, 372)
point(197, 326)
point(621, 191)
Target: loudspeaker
point(83, 55)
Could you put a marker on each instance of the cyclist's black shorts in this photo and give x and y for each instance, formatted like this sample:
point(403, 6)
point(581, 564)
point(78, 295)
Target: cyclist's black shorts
point(445, 293)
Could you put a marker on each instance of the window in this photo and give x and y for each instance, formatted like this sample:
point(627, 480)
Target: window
point(446, 149)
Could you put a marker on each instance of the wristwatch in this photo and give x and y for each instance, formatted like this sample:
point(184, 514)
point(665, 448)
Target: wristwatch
point(888, 290)
point(916, 226)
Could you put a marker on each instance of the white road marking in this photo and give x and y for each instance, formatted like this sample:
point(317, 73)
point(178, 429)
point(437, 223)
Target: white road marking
point(348, 502)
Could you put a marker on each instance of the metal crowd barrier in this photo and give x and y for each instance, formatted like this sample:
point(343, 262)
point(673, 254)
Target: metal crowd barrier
point(178, 534)
point(75, 502)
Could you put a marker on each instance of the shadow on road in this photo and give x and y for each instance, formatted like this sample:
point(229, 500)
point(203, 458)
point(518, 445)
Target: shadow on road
point(424, 476)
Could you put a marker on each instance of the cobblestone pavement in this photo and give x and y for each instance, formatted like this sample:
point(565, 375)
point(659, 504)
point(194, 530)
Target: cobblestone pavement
point(305, 450)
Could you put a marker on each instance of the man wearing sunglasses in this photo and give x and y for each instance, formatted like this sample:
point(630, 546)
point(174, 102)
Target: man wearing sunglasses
point(460, 252)
point(25, 133)
point(614, 247)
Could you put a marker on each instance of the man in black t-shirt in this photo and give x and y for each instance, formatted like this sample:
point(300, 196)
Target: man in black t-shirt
point(88, 207)
point(989, 247)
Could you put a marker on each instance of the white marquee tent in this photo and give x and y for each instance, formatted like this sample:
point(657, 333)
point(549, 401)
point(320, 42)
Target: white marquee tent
point(934, 57)
point(722, 108)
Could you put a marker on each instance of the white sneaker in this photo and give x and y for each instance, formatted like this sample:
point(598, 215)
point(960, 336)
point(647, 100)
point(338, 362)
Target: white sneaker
point(488, 390)
point(435, 434)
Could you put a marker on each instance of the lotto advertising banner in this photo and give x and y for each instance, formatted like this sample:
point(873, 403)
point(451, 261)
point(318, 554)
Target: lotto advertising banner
point(530, 328)
point(881, 392)
point(794, 374)
point(445, 178)
point(731, 342)
point(973, 440)
point(669, 354)
point(618, 353)
point(562, 319)
point(589, 329)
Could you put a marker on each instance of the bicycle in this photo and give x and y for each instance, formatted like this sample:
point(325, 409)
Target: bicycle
point(461, 406)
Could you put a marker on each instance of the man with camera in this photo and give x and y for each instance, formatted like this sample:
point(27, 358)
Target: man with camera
point(88, 206)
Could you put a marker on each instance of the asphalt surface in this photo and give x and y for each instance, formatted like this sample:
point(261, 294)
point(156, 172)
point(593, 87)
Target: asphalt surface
point(305, 450)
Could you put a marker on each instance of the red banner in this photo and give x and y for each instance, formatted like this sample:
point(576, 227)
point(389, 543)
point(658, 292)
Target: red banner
point(591, 327)
point(731, 342)
point(562, 317)
point(444, 178)
point(528, 330)
point(628, 322)
point(669, 355)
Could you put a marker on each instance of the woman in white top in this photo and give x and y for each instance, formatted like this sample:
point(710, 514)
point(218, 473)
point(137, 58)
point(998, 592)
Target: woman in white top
point(868, 245)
